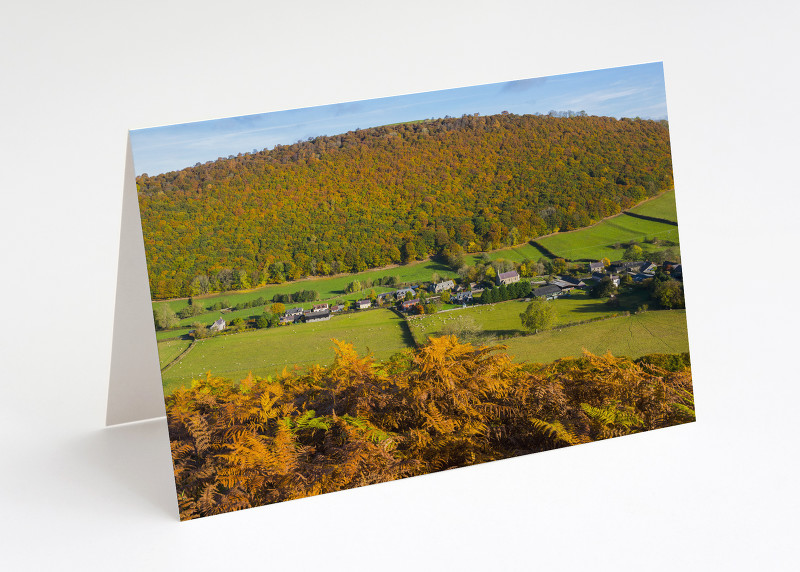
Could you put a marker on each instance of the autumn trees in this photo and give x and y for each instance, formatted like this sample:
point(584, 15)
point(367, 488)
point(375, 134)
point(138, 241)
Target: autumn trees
point(393, 194)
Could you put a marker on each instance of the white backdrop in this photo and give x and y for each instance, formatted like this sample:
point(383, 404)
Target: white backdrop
point(717, 494)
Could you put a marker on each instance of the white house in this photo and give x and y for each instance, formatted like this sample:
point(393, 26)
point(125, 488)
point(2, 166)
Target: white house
point(364, 304)
point(217, 326)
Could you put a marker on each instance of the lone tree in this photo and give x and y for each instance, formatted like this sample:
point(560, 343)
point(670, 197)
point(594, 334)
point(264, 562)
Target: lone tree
point(277, 308)
point(354, 286)
point(603, 289)
point(669, 294)
point(164, 317)
point(539, 315)
point(634, 252)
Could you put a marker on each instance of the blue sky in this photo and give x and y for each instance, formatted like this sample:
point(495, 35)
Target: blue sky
point(631, 91)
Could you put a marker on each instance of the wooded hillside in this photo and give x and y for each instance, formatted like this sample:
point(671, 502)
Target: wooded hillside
point(392, 194)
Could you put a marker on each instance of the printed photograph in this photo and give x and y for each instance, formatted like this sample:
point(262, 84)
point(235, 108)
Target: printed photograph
point(355, 293)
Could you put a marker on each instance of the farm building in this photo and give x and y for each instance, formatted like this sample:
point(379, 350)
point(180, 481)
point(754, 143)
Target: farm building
point(549, 292)
point(576, 282)
point(294, 312)
point(508, 277)
point(629, 265)
point(319, 307)
point(217, 326)
point(364, 304)
point(442, 286)
point(286, 320)
point(597, 267)
point(409, 304)
point(317, 316)
point(337, 308)
point(564, 285)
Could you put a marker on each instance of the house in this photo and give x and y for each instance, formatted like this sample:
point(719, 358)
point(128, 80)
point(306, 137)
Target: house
point(319, 307)
point(633, 265)
point(294, 312)
point(286, 320)
point(648, 267)
point(407, 305)
point(597, 267)
point(549, 292)
point(337, 308)
point(668, 266)
point(317, 316)
point(400, 294)
point(508, 277)
point(461, 298)
point(442, 286)
point(217, 326)
point(615, 279)
point(364, 304)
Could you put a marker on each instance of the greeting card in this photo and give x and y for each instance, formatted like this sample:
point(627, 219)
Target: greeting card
point(355, 293)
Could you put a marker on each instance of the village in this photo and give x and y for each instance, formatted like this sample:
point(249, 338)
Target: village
point(427, 297)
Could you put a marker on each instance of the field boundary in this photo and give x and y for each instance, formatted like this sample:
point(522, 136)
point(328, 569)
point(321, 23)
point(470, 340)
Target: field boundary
point(179, 357)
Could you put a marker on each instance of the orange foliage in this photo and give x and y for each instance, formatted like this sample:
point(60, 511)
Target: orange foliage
point(355, 422)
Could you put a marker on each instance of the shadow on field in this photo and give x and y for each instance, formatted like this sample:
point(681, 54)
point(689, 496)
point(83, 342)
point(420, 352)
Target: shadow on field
point(408, 337)
point(544, 250)
point(652, 218)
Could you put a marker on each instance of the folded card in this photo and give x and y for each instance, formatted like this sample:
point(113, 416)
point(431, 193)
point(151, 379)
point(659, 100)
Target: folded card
point(349, 294)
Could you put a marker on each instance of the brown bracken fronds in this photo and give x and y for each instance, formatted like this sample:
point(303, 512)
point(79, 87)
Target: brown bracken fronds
point(445, 405)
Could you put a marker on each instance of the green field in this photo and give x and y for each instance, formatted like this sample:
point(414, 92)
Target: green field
point(502, 319)
point(596, 242)
point(266, 352)
point(169, 350)
point(515, 254)
point(662, 331)
point(661, 207)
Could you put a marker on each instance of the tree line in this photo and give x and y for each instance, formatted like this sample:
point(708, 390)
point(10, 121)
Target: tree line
point(393, 194)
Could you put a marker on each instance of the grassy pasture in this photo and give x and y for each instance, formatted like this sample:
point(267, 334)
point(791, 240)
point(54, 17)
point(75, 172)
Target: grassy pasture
point(266, 352)
point(662, 331)
point(502, 319)
point(515, 254)
point(661, 207)
point(170, 349)
point(597, 241)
